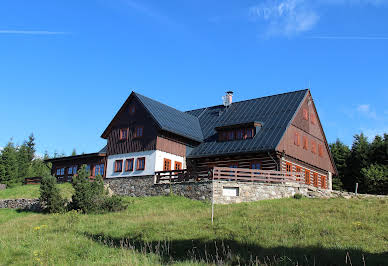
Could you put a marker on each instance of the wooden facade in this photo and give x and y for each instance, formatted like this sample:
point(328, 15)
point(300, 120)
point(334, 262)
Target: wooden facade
point(92, 160)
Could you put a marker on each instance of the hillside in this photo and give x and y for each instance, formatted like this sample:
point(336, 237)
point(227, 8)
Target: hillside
point(162, 230)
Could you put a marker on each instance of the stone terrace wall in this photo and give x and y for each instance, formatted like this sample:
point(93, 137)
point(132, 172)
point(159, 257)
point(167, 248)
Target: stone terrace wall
point(144, 186)
point(24, 204)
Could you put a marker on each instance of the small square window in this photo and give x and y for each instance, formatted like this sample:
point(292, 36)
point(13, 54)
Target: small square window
point(313, 118)
point(305, 114)
point(297, 139)
point(123, 133)
point(255, 165)
point(138, 132)
point(128, 165)
point(140, 163)
point(132, 109)
point(305, 143)
point(313, 147)
point(166, 164)
point(178, 166)
point(320, 150)
point(118, 166)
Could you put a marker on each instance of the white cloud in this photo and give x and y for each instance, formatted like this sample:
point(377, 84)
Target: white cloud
point(32, 32)
point(366, 110)
point(285, 17)
point(371, 133)
point(347, 38)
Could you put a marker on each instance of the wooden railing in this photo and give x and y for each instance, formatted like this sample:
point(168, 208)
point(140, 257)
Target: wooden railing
point(173, 176)
point(256, 175)
point(32, 180)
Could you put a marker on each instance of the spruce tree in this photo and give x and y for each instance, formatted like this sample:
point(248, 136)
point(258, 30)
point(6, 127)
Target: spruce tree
point(9, 169)
point(340, 153)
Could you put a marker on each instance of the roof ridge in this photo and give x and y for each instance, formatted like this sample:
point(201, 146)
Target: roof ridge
point(278, 94)
point(183, 112)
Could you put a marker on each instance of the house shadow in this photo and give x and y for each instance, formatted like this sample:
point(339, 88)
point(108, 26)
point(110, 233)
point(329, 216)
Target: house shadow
point(231, 252)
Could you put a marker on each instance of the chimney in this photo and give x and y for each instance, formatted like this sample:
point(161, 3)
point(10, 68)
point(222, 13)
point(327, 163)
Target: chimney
point(228, 98)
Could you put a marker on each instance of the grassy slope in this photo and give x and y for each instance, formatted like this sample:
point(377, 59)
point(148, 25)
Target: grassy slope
point(285, 231)
point(32, 191)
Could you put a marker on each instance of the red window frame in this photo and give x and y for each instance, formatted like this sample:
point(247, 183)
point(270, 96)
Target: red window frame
point(129, 162)
point(250, 133)
point(315, 179)
point(118, 166)
point(305, 114)
point(305, 143)
point(166, 164)
point(323, 181)
point(139, 132)
point(307, 176)
point(140, 163)
point(288, 167)
point(297, 139)
point(177, 165)
point(123, 133)
point(320, 150)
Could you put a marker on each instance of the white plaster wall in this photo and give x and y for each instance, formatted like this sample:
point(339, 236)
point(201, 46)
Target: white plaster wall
point(161, 155)
point(149, 164)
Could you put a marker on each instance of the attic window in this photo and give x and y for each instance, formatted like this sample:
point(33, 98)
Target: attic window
point(132, 109)
point(297, 139)
point(320, 150)
point(305, 143)
point(236, 134)
point(312, 118)
point(123, 133)
point(138, 132)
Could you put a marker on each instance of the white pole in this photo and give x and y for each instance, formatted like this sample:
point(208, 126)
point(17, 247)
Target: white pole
point(213, 197)
point(356, 188)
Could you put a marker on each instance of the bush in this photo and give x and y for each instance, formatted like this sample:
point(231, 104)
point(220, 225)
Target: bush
point(91, 197)
point(298, 196)
point(50, 197)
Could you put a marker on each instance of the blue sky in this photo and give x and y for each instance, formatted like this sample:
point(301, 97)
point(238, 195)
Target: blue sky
point(67, 66)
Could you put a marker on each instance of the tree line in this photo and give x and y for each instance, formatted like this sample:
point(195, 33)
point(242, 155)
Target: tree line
point(365, 163)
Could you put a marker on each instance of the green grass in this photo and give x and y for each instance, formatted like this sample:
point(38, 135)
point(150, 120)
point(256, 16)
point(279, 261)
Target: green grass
point(176, 230)
point(32, 191)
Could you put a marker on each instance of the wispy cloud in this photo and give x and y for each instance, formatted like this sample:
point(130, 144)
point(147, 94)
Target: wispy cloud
point(371, 133)
point(365, 109)
point(347, 38)
point(292, 17)
point(285, 17)
point(32, 32)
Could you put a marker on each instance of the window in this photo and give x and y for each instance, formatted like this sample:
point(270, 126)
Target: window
point(315, 179)
point(75, 170)
point(255, 165)
point(288, 167)
point(240, 133)
point(178, 165)
point(166, 164)
point(123, 133)
point(313, 147)
point(231, 135)
point(307, 177)
point(305, 143)
point(305, 114)
point(233, 165)
point(88, 169)
point(118, 166)
point(312, 118)
point(138, 132)
point(250, 133)
point(99, 170)
point(132, 109)
point(297, 139)
point(320, 150)
point(62, 171)
point(129, 165)
point(323, 181)
point(70, 170)
point(140, 163)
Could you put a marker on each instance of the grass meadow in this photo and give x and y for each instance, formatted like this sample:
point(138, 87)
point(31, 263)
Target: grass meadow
point(176, 230)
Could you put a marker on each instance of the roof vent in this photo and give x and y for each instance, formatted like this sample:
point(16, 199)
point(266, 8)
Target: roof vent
point(227, 99)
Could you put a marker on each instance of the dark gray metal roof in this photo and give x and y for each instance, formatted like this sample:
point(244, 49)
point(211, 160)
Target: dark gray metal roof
point(274, 112)
point(103, 150)
point(173, 120)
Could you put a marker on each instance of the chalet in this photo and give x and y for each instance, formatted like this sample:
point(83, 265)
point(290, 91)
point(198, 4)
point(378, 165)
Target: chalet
point(279, 132)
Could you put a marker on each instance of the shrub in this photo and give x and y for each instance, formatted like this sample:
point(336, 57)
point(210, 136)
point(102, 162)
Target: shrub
point(298, 196)
point(50, 197)
point(90, 196)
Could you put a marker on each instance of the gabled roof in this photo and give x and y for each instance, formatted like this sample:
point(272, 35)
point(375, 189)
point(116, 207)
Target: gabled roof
point(172, 120)
point(274, 113)
point(167, 118)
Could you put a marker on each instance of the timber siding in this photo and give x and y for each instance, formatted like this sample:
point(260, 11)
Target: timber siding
point(313, 132)
point(130, 121)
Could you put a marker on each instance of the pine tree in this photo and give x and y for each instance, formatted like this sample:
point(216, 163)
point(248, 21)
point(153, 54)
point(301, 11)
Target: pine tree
point(31, 147)
point(9, 164)
point(23, 162)
point(340, 153)
point(74, 152)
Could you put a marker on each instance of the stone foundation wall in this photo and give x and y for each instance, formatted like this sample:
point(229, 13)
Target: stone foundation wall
point(24, 204)
point(144, 186)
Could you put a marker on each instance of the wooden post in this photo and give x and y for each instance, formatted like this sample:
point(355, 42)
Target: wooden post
point(356, 188)
point(213, 198)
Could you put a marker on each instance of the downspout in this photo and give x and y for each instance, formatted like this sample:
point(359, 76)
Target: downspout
point(277, 165)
